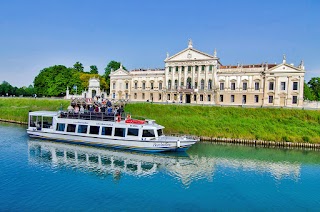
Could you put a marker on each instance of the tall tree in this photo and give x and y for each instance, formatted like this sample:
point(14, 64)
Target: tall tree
point(314, 84)
point(93, 69)
point(114, 65)
point(308, 93)
point(78, 67)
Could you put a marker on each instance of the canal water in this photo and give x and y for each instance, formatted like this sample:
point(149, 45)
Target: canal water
point(47, 176)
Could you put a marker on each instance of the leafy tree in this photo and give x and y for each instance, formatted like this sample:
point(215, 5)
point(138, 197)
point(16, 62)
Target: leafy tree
point(6, 88)
point(53, 81)
point(78, 67)
point(93, 69)
point(314, 85)
point(308, 93)
point(114, 65)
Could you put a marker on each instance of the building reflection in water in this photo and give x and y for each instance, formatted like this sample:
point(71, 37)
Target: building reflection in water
point(184, 168)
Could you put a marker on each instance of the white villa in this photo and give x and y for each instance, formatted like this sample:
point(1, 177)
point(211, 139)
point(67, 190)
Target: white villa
point(93, 90)
point(192, 76)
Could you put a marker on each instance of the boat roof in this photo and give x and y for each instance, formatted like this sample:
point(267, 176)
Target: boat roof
point(43, 113)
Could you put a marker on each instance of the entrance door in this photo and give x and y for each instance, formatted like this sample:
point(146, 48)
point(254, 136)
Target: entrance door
point(188, 98)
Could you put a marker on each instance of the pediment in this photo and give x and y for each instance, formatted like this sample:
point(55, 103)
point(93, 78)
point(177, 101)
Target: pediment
point(119, 72)
point(190, 54)
point(285, 68)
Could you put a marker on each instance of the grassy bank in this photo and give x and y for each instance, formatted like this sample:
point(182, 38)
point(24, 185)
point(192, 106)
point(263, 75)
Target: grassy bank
point(273, 124)
point(17, 108)
point(227, 122)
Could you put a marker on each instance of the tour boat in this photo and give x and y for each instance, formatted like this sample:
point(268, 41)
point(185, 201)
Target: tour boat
point(99, 129)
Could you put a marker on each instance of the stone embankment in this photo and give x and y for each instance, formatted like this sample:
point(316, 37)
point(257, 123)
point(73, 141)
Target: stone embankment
point(14, 121)
point(261, 143)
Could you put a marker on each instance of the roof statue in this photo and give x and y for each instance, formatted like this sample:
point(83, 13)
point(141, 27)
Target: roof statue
point(190, 43)
point(167, 54)
point(121, 66)
point(284, 60)
point(215, 52)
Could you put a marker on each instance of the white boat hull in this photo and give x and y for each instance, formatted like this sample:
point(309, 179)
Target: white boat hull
point(162, 143)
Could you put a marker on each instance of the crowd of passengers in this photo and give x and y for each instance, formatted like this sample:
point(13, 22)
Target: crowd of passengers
point(104, 107)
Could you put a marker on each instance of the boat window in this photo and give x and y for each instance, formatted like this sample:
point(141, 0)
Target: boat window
point(160, 132)
point(82, 128)
point(121, 132)
point(94, 130)
point(71, 128)
point(148, 133)
point(33, 121)
point(60, 127)
point(106, 131)
point(133, 132)
point(47, 122)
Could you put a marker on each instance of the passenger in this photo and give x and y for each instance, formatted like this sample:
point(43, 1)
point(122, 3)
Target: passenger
point(103, 109)
point(120, 110)
point(76, 109)
point(109, 111)
point(91, 108)
point(109, 104)
point(97, 109)
point(81, 110)
point(70, 109)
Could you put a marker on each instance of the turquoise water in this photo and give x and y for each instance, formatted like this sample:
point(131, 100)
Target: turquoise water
point(47, 176)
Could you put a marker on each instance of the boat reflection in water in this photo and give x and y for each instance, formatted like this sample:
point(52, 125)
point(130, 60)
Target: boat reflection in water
point(183, 167)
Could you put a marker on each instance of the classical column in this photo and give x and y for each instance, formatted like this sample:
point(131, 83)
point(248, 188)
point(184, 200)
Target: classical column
point(185, 76)
point(193, 68)
point(179, 76)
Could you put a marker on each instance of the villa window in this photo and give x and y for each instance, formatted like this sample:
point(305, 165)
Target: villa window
point(295, 86)
point(203, 68)
point(197, 67)
point(210, 84)
point(160, 96)
point(256, 98)
point(210, 68)
point(177, 69)
point(233, 86)
point(244, 99)
point(189, 69)
point(221, 98)
point(114, 85)
point(294, 99)
point(169, 69)
point(256, 86)
point(283, 86)
point(169, 84)
point(135, 85)
point(271, 86)
point(182, 69)
point(221, 86)
point(270, 99)
point(143, 85)
point(201, 98)
point(143, 95)
point(202, 84)
point(152, 86)
point(168, 97)
point(127, 85)
point(127, 96)
point(113, 95)
point(135, 95)
point(232, 98)
point(245, 86)
point(160, 85)
point(209, 98)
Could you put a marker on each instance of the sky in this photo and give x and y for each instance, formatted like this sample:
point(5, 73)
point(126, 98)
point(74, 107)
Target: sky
point(36, 34)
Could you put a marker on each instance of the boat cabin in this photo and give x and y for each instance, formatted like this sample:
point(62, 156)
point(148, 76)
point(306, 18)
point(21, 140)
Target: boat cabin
point(114, 129)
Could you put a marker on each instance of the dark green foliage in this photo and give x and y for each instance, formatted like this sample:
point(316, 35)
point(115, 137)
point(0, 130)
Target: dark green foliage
point(7, 89)
point(93, 69)
point(53, 81)
point(112, 65)
point(78, 67)
point(314, 85)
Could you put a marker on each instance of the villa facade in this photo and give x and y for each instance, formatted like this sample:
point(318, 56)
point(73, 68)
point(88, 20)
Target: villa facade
point(192, 76)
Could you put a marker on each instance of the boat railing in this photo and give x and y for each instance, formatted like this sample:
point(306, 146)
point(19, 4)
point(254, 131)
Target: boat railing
point(88, 115)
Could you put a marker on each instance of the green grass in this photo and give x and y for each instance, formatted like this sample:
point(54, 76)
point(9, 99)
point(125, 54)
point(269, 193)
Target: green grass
point(17, 109)
point(273, 124)
point(291, 125)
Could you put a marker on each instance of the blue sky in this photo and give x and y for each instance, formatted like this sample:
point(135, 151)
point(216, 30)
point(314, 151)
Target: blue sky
point(36, 34)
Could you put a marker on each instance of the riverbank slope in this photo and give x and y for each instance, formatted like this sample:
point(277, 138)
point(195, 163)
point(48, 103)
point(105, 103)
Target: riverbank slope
point(273, 124)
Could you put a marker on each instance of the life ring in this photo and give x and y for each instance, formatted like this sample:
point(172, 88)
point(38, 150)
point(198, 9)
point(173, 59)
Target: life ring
point(128, 117)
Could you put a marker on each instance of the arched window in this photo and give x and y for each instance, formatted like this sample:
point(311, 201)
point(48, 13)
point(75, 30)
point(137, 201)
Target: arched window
point(176, 84)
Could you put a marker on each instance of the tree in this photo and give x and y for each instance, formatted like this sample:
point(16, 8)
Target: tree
point(308, 93)
point(93, 69)
point(114, 65)
point(314, 85)
point(78, 67)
